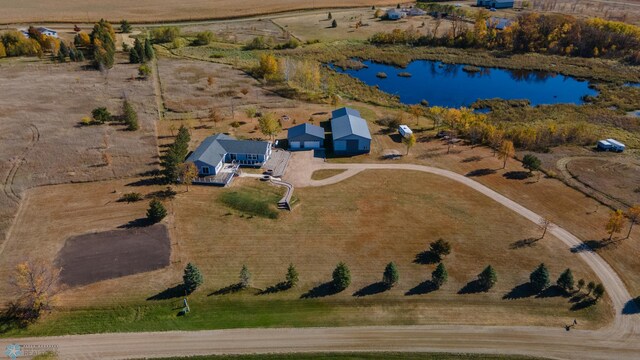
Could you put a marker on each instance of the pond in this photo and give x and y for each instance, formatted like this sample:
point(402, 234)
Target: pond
point(456, 85)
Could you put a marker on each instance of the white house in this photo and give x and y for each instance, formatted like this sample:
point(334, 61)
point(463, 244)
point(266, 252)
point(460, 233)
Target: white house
point(42, 30)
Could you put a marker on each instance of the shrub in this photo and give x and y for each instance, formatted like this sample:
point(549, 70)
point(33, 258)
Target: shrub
point(204, 38)
point(86, 121)
point(156, 211)
point(258, 43)
point(131, 197)
point(144, 71)
point(165, 34)
point(251, 112)
point(101, 115)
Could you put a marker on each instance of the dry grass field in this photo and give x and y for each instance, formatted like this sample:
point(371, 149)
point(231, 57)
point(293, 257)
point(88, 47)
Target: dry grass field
point(155, 11)
point(41, 141)
point(621, 180)
point(316, 26)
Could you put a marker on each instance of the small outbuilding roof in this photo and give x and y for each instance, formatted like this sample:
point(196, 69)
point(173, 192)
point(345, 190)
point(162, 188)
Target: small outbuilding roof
point(306, 129)
point(214, 148)
point(346, 121)
point(499, 23)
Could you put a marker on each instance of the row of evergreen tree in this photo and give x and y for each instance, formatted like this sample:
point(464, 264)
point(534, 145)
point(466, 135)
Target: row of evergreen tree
point(141, 53)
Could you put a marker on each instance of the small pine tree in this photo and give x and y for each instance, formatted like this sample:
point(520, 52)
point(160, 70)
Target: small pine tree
point(390, 276)
point(581, 284)
point(64, 49)
point(61, 58)
point(134, 57)
point(292, 276)
point(148, 49)
point(439, 276)
point(487, 278)
point(192, 278)
point(139, 48)
point(565, 280)
point(125, 27)
point(80, 56)
point(341, 276)
point(590, 286)
point(334, 24)
point(329, 16)
point(72, 55)
point(156, 211)
point(130, 116)
point(539, 278)
point(245, 277)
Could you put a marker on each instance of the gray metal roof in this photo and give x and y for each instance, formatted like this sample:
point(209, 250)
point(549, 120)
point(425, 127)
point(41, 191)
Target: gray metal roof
point(346, 122)
point(305, 129)
point(214, 148)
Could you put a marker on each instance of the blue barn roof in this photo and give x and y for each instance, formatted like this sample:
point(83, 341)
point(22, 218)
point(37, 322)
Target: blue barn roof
point(346, 121)
point(306, 129)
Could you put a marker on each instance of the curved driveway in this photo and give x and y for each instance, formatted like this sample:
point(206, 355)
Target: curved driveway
point(620, 340)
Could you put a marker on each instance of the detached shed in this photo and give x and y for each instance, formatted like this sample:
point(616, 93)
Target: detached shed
point(350, 132)
point(305, 136)
point(611, 145)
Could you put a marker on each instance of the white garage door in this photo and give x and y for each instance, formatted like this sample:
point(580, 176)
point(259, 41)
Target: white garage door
point(295, 145)
point(312, 144)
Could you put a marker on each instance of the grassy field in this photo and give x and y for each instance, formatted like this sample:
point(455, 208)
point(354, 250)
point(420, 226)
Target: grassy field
point(41, 142)
point(359, 356)
point(324, 174)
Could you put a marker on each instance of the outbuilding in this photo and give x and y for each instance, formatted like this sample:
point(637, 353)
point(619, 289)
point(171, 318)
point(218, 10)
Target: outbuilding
point(349, 132)
point(305, 137)
point(395, 14)
point(404, 130)
point(495, 4)
point(610, 145)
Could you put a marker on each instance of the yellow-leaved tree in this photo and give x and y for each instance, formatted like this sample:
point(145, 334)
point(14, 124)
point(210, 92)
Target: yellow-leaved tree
point(615, 223)
point(36, 283)
point(506, 151)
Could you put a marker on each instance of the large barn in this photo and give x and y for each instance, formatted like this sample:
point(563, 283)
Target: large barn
point(349, 132)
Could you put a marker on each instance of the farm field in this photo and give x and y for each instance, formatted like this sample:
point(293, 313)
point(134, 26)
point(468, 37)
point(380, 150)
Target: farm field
point(156, 11)
point(360, 356)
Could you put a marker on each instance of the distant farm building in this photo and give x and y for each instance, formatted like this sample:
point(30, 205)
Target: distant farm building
point(395, 14)
point(42, 30)
point(499, 23)
point(305, 137)
point(350, 132)
point(610, 145)
point(495, 4)
point(414, 11)
point(219, 149)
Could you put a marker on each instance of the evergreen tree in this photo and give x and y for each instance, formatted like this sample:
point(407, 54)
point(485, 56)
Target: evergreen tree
point(125, 27)
point(139, 48)
point(175, 155)
point(292, 276)
point(72, 55)
point(329, 16)
point(134, 57)
point(61, 57)
point(581, 284)
point(104, 46)
point(156, 211)
point(341, 277)
point(192, 278)
point(590, 286)
point(565, 280)
point(101, 115)
point(334, 24)
point(130, 116)
point(64, 49)
point(531, 162)
point(148, 49)
point(245, 277)
point(487, 278)
point(390, 275)
point(439, 276)
point(539, 278)
point(80, 55)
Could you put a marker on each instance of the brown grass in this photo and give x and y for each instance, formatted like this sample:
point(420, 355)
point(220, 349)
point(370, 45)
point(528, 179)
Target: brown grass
point(155, 11)
point(325, 174)
point(617, 179)
point(41, 142)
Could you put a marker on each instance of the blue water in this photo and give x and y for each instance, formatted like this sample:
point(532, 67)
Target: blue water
point(449, 86)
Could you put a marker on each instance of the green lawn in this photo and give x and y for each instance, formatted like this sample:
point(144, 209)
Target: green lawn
point(359, 356)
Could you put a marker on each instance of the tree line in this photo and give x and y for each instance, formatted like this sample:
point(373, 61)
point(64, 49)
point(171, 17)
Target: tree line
point(531, 32)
